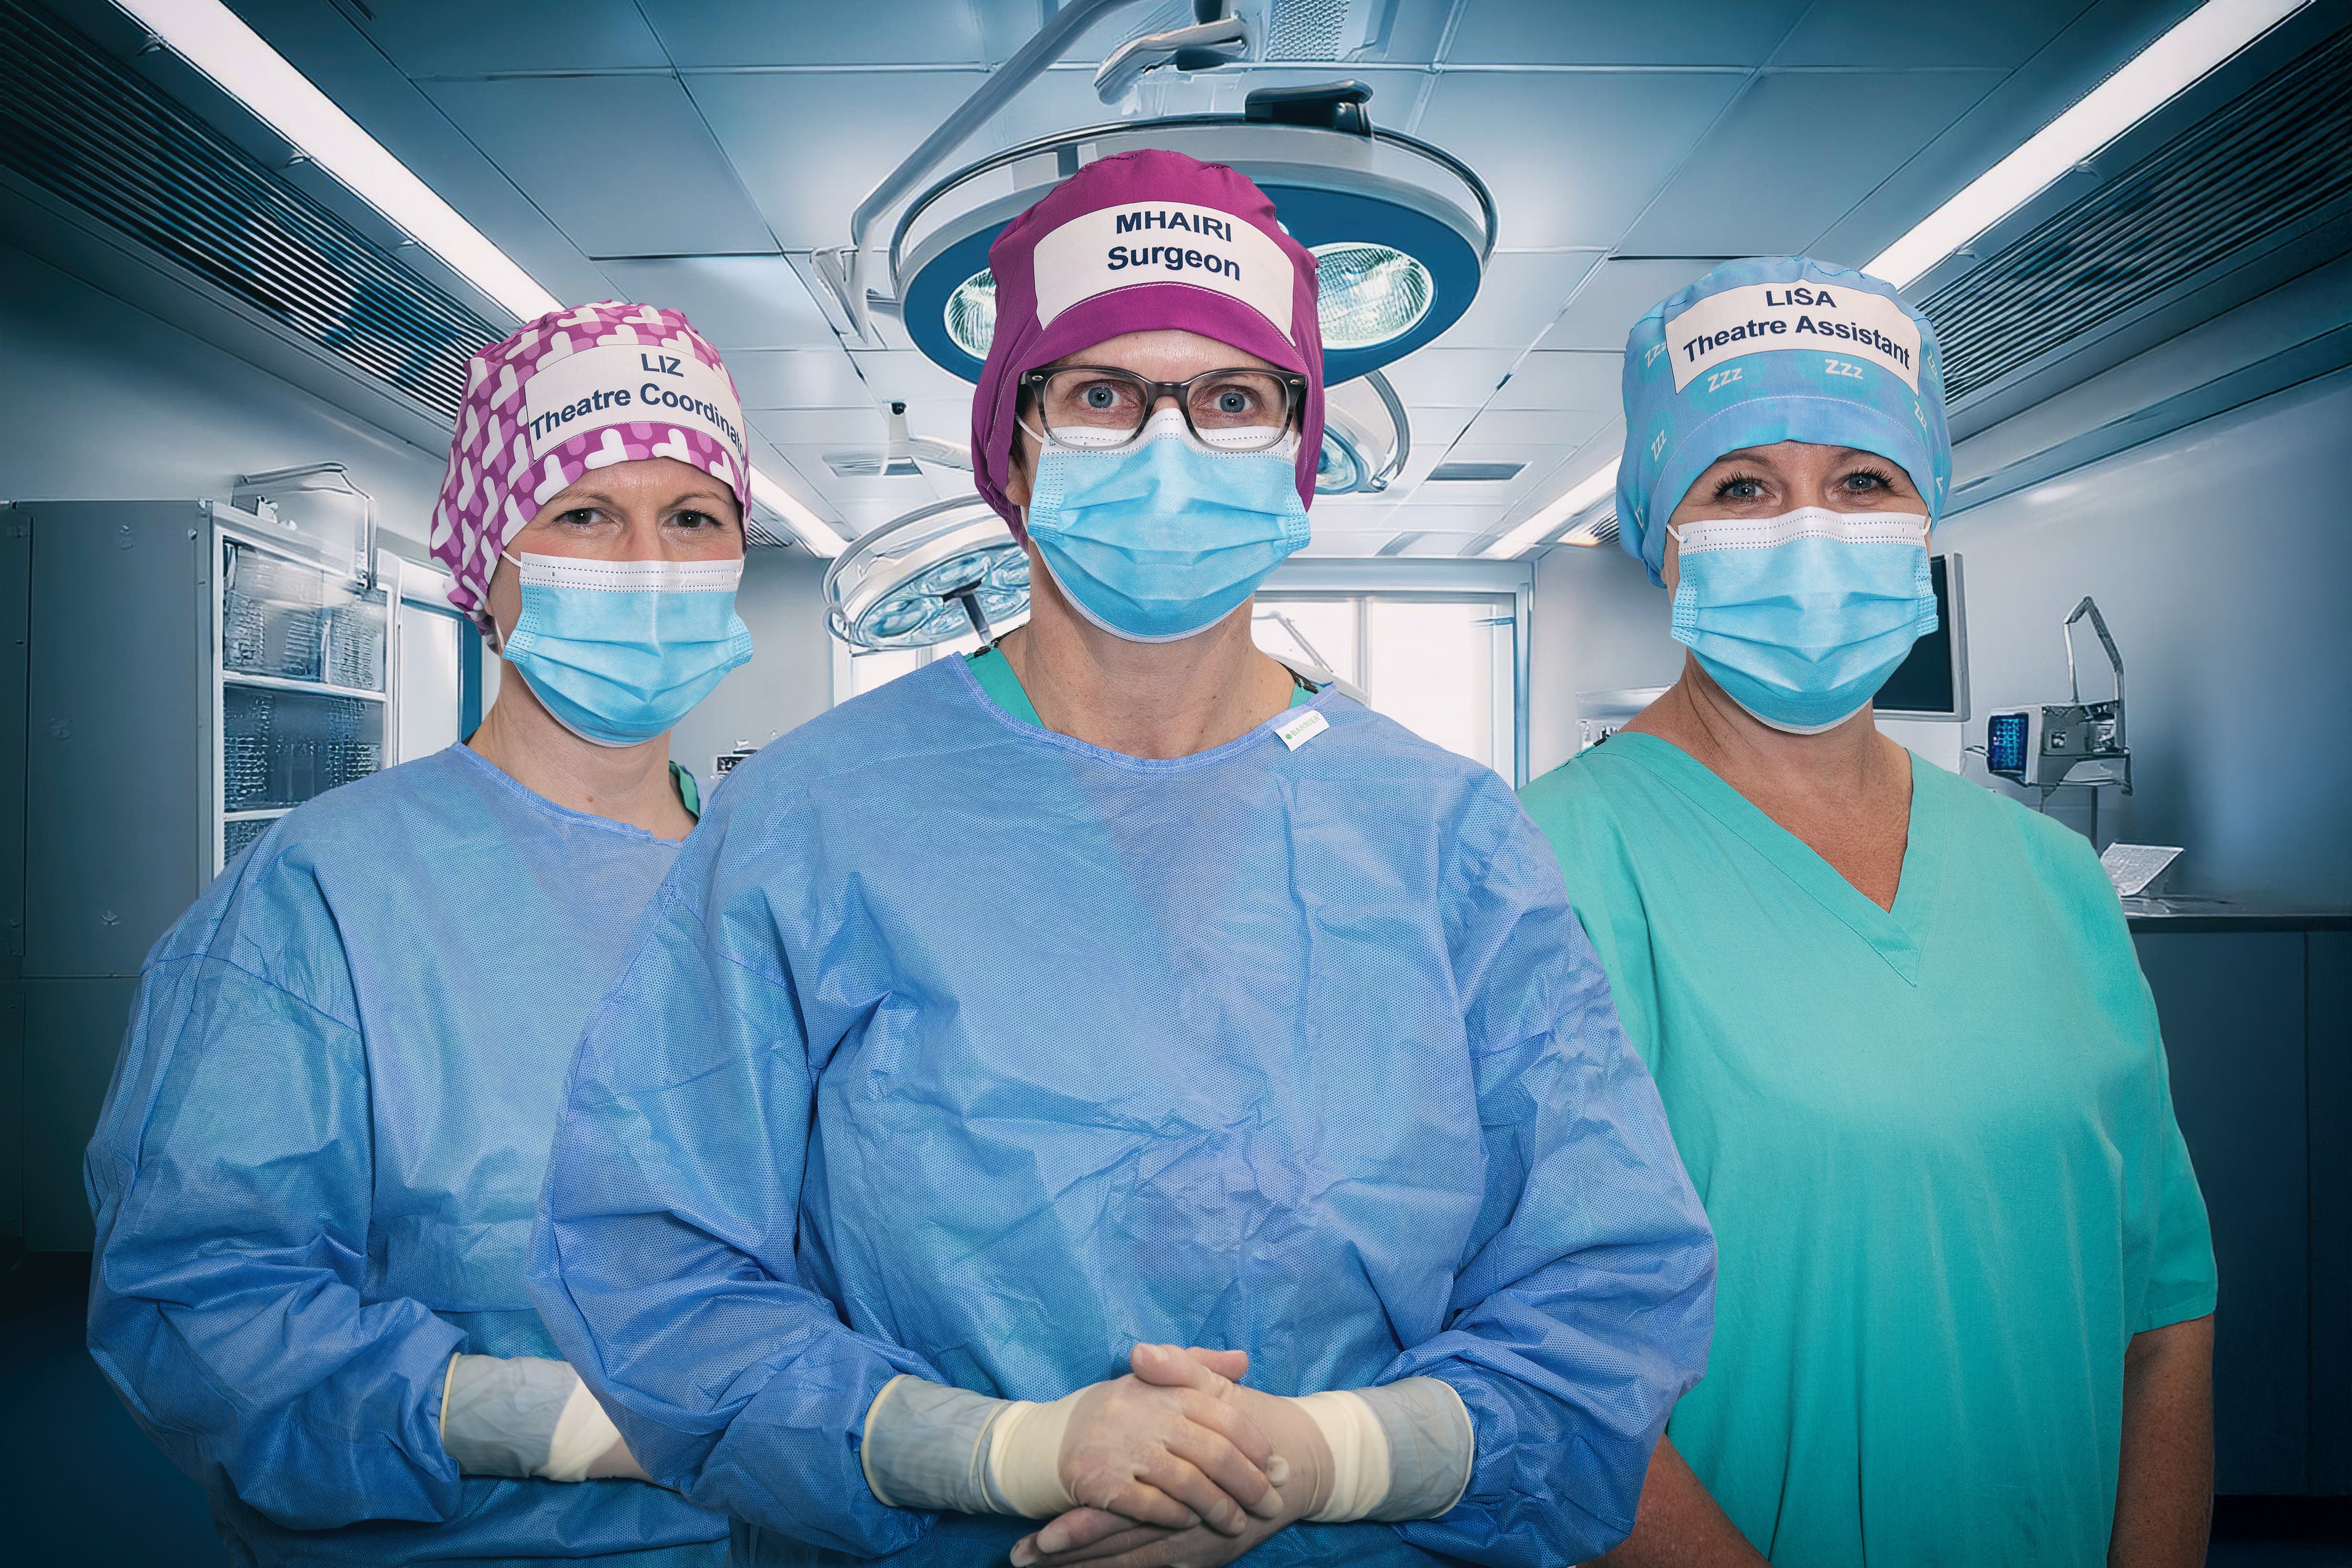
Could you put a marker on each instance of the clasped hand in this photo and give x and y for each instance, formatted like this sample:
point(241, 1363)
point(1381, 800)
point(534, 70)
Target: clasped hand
point(1178, 1466)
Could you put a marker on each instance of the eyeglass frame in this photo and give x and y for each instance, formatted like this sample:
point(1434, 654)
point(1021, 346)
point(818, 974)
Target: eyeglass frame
point(1294, 386)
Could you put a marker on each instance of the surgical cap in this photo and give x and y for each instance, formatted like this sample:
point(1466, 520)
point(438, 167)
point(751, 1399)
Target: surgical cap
point(1134, 243)
point(572, 391)
point(1775, 348)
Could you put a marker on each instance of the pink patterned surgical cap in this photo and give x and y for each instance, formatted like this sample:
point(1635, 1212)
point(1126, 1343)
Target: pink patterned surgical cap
point(571, 391)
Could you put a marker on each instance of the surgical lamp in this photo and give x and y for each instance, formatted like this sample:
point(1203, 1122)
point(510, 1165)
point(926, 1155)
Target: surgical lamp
point(928, 577)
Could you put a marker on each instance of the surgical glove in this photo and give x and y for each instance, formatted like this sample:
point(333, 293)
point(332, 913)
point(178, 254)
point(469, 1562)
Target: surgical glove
point(1396, 1452)
point(1174, 1453)
point(529, 1417)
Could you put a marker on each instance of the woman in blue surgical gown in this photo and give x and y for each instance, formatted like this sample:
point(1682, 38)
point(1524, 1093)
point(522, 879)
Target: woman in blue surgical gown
point(1114, 986)
point(314, 1174)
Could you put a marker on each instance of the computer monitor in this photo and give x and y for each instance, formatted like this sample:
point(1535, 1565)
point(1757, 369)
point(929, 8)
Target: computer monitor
point(1933, 683)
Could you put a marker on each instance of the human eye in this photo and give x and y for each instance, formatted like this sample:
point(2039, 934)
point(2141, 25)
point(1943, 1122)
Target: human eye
point(1240, 400)
point(1739, 487)
point(1865, 482)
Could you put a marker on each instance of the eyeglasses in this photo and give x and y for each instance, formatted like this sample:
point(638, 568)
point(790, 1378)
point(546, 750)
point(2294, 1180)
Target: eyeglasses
point(1101, 406)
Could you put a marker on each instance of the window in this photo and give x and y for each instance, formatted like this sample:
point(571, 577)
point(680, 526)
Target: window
point(1443, 665)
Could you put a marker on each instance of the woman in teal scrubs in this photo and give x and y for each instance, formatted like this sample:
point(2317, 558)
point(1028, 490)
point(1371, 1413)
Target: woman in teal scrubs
point(1964, 1307)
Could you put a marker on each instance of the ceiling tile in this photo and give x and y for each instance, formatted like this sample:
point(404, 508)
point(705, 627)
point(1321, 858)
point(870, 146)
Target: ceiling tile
point(903, 375)
point(1552, 379)
point(2001, 34)
point(1460, 377)
point(809, 461)
point(1574, 158)
point(797, 378)
point(736, 32)
point(739, 302)
point(621, 163)
point(1522, 294)
point(809, 145)
point(1437, 426)
point(1618, 294)
point(1446, 519)
point(832, 429)
point(1765, 183)
point(465, 37)
point(1533, 426)
point(1623, 32)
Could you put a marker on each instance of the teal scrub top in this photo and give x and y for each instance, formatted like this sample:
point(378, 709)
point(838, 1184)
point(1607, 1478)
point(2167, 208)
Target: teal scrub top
point(1936, 1145)
point(995, 673)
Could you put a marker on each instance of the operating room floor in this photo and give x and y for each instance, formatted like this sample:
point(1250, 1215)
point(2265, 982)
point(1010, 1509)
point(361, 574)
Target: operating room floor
point(80, 1486)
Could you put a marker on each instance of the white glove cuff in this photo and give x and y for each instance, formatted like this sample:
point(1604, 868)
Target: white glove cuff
point(1025, 1458)
point(1359, 1455)
point(584, 1433)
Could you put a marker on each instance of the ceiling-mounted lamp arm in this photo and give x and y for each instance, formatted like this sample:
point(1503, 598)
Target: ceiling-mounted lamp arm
point(1202, 46)
point(1027, 64)
point(1403, 422)
point(2099, 625)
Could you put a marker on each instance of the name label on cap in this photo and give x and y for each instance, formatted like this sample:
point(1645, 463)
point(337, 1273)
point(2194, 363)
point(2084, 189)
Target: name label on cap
point(1162, 242)
point(622, 383)
point(1847, 323)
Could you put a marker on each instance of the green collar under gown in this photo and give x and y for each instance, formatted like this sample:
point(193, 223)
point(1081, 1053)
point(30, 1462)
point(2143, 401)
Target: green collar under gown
point(995, 673)
point(1936, 1145)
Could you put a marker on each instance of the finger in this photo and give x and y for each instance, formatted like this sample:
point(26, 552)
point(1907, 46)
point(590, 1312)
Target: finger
point(1144, 1501)
point(1232, 1365)
point(1228, 1468)
point(1232, 1423)
point(1081, 1527)
point(1166, 1366)
point(1120, 1546)
point(1187, 1484)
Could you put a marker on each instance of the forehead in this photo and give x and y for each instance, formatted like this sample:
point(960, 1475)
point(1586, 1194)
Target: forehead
point(1794, 454)
point(1168, 353)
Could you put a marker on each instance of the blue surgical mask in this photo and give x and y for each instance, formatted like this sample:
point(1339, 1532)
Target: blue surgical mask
point(1801, 617)
point(1163, 539)
point(619, 651)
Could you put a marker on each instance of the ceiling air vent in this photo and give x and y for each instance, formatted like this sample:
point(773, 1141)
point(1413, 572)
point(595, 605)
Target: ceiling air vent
point(1473, 473)
point(2275, 160)
point(1599, 530)
point(84, 127)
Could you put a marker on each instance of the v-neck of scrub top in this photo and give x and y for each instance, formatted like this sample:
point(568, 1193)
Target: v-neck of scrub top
point(1001, 687)
point(1897, 935)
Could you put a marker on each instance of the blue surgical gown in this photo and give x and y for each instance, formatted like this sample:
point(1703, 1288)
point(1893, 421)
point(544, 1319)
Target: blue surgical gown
point(314, 1174)
point(957, 1047)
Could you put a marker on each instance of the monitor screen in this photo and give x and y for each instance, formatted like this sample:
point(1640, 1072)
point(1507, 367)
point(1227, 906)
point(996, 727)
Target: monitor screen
point(1933, 683)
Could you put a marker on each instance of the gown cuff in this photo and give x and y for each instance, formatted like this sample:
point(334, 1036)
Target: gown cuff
point(1431, 1447)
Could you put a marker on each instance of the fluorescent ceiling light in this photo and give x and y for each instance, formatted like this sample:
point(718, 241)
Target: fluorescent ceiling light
point(1579, 496)
point(813, 530)
point(2200, 41)
point(210, 36)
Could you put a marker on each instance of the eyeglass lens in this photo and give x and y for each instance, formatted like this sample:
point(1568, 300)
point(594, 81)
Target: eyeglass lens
point(1240, 410)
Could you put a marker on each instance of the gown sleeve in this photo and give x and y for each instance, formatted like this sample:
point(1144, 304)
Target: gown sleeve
point(664, 1259)
point(230, 1178)
point(1583, 1306)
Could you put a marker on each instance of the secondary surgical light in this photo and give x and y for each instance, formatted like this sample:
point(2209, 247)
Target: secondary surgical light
point(931, 576)
point(1368, 295)
point(214, 40)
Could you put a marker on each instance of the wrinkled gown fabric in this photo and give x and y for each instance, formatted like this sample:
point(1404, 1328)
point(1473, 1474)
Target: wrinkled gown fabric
point(314, 1173)
point(1937, 1143)
point(961, 1047)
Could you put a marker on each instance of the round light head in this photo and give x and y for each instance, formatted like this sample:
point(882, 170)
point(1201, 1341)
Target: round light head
point(970, 313)
point(908, 583)
point(1369, 294)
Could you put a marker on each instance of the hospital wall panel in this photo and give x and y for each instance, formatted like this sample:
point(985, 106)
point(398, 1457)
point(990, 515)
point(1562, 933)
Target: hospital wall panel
point(2219, 556)
point(2232, 1007)
point(107, 401)
point(1599, 626)
point(73, 1029)
point(2328, 1028)
point(15, 603)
